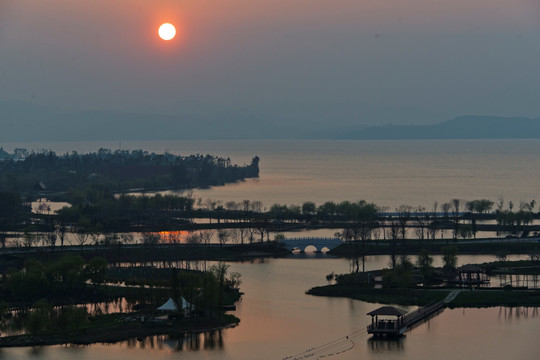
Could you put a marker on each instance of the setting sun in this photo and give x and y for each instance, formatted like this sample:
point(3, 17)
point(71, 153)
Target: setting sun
point(167, 31)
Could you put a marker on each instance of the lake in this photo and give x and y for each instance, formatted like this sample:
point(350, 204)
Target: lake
point(279, 320)
point(388, 173)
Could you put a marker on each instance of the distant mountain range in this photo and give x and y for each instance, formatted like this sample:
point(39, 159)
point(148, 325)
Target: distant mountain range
point(29, 122)
point(463, 127)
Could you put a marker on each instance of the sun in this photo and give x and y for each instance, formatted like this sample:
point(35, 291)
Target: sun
point(167, 31)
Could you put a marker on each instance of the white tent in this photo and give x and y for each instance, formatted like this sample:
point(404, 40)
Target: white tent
point(170, 305)
point(185, 305)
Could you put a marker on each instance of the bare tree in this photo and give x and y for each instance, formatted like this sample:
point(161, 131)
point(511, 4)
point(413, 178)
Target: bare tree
point(231, 205)
point(210, 204)
point(261, 229)
point(150, 238)
point(500, 203)
point(347, 234)
point(95, 236)
point(223, 236)
point(422, 221)
point(82, 237)
point(432, 229)
point(61, 233)
point(446, 209)
point(404, 215)
point(243, 232)
point(250, 234)
point(193, 238)
point(380, 210)
point(50, 239)
point(256, 206)
point(29, 239)
point(394, 234)
point(456, 208)
point(206, 236)
point(376, 232)
point(261, 226)
point(234, 236)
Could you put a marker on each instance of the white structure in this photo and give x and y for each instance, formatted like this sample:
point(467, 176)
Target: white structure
point(171, 305)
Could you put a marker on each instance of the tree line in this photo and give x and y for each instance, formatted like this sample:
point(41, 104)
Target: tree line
point(118, 170)
point(95, 210)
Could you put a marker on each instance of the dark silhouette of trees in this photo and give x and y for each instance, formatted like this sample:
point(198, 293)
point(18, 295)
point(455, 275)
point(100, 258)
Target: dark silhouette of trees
point(456, 208)
point(449, 257)
point(12, 213)
point(121, 170)
point(403, 215)
point(424, 263)
point(223, 236)
point(362, 217)
point(423, 219)
point(65, 277)
point(309, 208)
point(394, 236)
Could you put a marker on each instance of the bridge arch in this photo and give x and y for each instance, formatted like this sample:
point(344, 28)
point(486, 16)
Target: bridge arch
point(318, 243)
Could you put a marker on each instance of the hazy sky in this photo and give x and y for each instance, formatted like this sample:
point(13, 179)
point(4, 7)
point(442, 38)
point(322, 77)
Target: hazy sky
point(306, 61)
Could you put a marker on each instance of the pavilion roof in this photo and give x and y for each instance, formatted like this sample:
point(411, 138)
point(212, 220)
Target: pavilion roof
point(470, 268)
point(388, 311)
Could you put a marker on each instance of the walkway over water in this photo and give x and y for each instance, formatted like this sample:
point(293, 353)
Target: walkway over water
point(407, 321)
point(318, 243)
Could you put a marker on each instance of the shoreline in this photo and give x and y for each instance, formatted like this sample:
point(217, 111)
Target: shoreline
point(478, 297)
point(114, 334)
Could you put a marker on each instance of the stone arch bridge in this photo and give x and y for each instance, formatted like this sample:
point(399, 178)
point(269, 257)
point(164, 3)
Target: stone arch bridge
point(302, 243)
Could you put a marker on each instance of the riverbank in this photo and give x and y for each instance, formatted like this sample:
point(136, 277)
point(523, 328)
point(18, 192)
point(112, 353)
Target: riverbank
point(120, 327)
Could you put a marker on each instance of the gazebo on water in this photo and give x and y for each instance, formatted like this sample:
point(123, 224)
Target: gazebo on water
point(386, 320)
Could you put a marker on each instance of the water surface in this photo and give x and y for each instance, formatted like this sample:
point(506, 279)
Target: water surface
point(389, 173)
point(279, 320)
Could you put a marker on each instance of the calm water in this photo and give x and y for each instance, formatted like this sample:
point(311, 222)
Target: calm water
point(279, 320)
point(389, 173)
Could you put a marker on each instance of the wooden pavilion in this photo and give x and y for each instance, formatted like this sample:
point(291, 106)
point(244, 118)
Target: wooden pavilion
point(386, 320)
point(471, 274)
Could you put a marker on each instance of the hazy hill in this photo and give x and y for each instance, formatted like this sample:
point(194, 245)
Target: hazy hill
point(28, 122)
point(463, 127)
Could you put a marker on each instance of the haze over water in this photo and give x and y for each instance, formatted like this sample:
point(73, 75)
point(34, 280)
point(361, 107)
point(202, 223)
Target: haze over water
point(388, 173)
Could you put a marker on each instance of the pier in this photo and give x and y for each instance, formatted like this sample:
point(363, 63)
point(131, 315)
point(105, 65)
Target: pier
point(401, 321)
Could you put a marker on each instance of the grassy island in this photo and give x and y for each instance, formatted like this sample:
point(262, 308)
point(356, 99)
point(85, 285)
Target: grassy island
point(406, 284)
